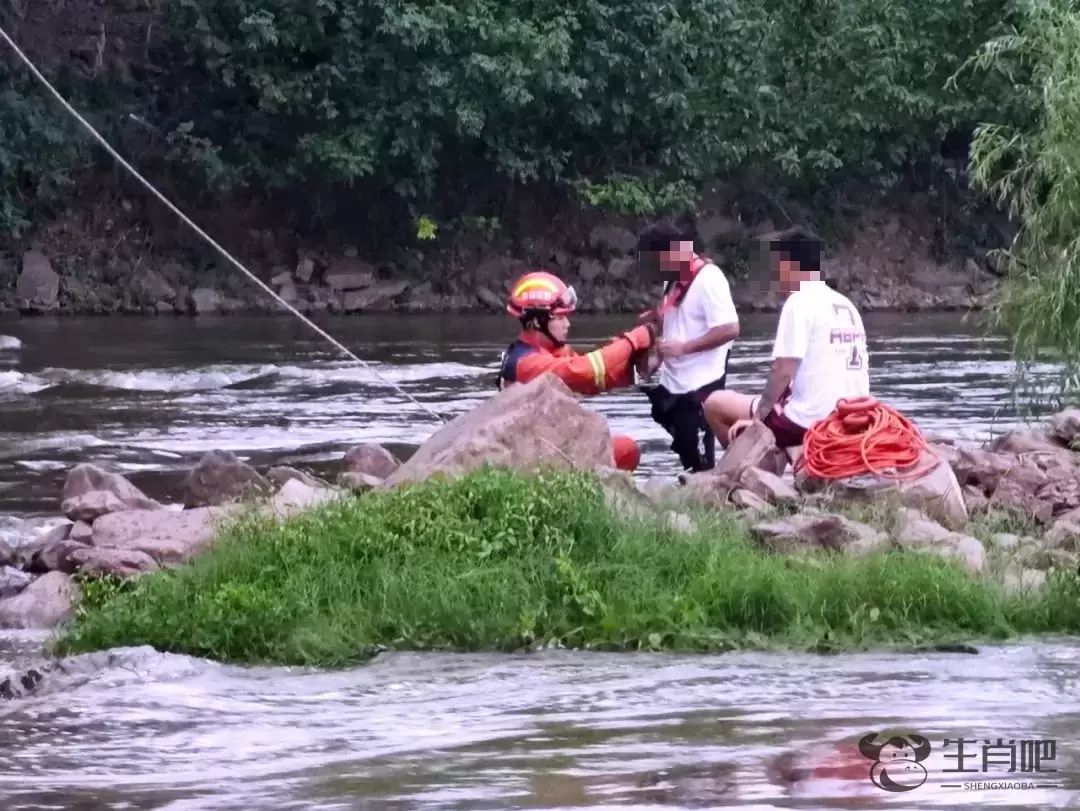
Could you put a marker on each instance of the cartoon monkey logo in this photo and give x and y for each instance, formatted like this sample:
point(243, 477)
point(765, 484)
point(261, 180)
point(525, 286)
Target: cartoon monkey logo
point(897, 762)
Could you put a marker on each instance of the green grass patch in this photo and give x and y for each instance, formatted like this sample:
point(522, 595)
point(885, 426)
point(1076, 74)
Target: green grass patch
point(504, 561)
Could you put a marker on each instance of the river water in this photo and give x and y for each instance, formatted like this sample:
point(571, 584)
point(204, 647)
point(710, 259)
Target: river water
point(552, 730)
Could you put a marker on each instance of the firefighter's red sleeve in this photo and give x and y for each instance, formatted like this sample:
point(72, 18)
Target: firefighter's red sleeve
point(605, 368)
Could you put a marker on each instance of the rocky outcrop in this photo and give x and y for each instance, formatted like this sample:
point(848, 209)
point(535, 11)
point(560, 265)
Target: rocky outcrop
point(536, 423)
point(744, 476)
point(1032, 474)
point(221, 478)
point(296, 496)
point(813, 531)
point(131, 542)
point(937, 492)
point(919, 533)
point(115, 529)
point(44, 602)
point(90, 492)
point(163, 536)
point(277, 476)
point(12, 581)
point(805, 532)
point(37, 289)
point(369, 459)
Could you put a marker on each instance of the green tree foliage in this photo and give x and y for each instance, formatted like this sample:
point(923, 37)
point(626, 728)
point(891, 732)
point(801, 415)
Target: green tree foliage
point(39, 150)
point(1031, 164)
point(438, 105)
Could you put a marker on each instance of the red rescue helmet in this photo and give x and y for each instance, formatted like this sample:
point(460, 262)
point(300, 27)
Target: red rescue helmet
point(541, 292)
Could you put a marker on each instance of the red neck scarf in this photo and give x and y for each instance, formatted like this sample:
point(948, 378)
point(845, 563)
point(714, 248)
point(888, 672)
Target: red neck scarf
point(678, 291)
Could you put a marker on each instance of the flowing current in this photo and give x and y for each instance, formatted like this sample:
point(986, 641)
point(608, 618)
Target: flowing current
point(136, 729)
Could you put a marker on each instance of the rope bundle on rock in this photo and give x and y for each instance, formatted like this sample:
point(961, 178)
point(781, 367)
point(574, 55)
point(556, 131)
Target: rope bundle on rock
point(864, 436)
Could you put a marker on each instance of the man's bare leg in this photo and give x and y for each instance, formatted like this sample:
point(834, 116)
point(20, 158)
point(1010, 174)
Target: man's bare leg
point(723, 409)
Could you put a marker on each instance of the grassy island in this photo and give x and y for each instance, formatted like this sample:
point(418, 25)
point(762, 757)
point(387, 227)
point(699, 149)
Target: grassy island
point(504, 561)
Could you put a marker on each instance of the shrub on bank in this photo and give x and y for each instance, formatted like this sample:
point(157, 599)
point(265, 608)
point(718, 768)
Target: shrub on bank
point(497, 560)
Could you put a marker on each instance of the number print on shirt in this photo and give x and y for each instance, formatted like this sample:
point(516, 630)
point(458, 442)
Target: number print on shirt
point(855, 359)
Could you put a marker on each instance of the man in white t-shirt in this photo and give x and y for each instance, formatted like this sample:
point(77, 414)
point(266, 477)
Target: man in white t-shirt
point(819, 355)
point(699, 324)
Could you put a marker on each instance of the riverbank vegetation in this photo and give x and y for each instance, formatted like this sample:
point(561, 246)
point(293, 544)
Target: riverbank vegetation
point(504, 561)
point(446, 115)
point(1031, 166)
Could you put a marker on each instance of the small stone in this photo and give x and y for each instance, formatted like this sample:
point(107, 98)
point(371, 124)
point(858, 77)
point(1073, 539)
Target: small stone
point(12, 581)
point(279, 475)
point(804, 532)
point(205, 301)
point(1005, 540)
point(1023, 579)
point(358, 482)
point(296, 496)
point(38, 287)
point(305, 269)
point(767, 485)
point(751, 502)
point(81, 532)
point(45, 602)
point(680, 522)
point(923, 535)
point(372, 459)
point(221, 477)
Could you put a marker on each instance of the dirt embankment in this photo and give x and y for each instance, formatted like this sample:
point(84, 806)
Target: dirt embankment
point(112, 258)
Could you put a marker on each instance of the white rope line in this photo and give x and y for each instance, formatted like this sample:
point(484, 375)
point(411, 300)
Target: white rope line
point(108, 148)
point(116, 155)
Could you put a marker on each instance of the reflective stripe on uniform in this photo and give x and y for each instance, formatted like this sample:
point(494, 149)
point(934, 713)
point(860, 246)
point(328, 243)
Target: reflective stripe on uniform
point(599, 368)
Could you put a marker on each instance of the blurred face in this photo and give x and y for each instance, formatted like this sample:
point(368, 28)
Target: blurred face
point(559, 327)
point(681, 254)
point(788, 275)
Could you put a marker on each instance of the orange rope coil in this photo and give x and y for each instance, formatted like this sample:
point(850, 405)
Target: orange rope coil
point(863, 436)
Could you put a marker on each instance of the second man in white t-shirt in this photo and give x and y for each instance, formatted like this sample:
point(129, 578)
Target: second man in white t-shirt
point(819, 355)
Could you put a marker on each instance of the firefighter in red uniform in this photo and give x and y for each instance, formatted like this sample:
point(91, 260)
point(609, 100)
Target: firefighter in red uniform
point(542, 302)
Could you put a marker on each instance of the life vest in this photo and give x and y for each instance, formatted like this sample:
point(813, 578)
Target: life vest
point(500, 378)
point(519, 348)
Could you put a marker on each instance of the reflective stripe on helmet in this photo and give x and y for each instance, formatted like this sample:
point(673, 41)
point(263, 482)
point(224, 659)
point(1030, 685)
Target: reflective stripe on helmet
point(537, 284)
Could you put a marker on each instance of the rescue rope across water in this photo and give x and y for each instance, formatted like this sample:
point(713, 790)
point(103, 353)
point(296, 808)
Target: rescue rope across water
point(187, 220)
point(864, 436)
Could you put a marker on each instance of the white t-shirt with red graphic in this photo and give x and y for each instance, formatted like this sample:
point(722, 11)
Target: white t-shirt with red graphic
point(824, 330)
point(707, 305)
